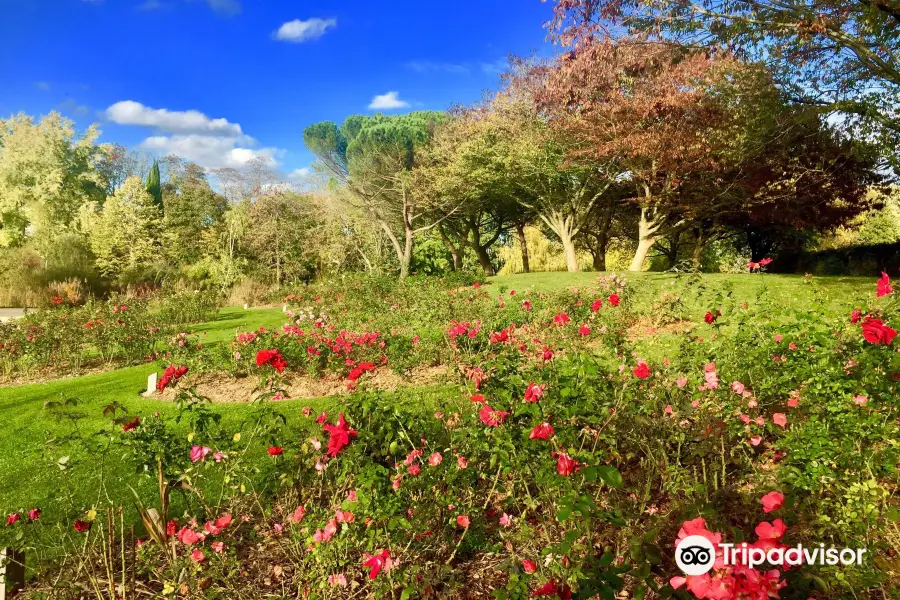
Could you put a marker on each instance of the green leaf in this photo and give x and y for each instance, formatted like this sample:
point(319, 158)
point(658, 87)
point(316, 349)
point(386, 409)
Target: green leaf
point(610, 476)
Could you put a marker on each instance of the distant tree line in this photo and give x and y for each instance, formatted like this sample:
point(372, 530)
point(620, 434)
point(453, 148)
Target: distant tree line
point(687, 135)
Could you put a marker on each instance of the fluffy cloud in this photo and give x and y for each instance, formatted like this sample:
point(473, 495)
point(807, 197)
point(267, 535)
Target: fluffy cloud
point(129, 112)
point(299, 31)
point(190, 134)
point(301, 173)
point(389, 101)
point(210, 151)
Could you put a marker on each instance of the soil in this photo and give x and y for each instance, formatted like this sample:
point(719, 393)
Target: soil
point(644, 328)
point(222, 388)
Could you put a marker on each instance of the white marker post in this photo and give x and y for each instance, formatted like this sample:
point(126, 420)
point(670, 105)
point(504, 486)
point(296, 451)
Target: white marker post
point(12, 572)
point(151, 387)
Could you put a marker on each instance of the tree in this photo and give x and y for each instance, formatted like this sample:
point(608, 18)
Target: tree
point(518, 167)
point(373, 156)
point(833, 55)
point(117, 163)
point(47, 173)
point(663, 115)
point(125, 235)
point(193, 217)
point(806, 177)
point(607, 221)
point(154, 186)
point(278, 239)
point(461, 166)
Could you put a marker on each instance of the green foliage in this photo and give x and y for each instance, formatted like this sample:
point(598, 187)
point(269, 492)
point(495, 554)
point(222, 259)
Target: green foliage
point(46, 175)
point(125, 234)
point(651, 452)
point(154, 186)
point(116, 332)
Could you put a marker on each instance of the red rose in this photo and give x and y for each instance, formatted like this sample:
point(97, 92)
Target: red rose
point(876, 332)
point(884, 285)
point(541, 432)
point(340, 435)
point(565, 464)
point(81, 526)
point(642, 371)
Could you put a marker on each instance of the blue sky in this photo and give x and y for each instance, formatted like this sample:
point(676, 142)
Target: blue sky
point(255, 72)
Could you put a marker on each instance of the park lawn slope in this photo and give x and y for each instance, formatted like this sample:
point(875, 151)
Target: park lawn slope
point(34, 435)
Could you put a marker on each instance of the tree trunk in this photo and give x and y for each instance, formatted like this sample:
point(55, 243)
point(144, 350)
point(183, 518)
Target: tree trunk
point(644, 245)
point(571, 258)
point(520, 233)
point(699, 243)
point(599, 257)
point(562, 227)
point(406, 258)
point(647, 229)
point(456, 253)
point(484, 260)
point(671, 253)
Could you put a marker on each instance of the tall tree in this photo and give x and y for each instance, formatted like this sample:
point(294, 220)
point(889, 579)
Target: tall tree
point(373, 156)
point(47, 173)
point(117, 163)
point(282, 222)
point(654, 110)
point(154, 185)
point(125, 234)
point(834, 55)
point(462, 165)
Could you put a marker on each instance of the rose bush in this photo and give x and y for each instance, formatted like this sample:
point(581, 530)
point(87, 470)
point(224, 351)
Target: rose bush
point(116, 332)
point(568, 453)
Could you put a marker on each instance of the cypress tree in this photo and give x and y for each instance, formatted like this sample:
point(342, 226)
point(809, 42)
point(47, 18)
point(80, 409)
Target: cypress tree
point(153, 185)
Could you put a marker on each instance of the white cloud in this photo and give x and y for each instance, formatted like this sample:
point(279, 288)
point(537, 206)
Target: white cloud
point(428, 66)
point(129, 112)
point(301, 173)
point(190, 134)
point(389, 101)
point(298, 31)
point(211, 151)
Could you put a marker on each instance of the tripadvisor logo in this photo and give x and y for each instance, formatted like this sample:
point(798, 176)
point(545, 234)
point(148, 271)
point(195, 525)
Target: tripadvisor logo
point(695, 555)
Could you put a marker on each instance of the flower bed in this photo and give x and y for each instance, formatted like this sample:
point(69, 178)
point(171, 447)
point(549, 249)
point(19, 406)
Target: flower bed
point(120, 331)
point(565, 460)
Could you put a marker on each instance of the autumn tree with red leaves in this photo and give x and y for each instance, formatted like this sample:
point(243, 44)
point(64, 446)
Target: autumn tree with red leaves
point(831, 56)
point(652, 111)
point(700, 138)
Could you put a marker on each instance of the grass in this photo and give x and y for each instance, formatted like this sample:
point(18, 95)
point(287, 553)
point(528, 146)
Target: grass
point(32, 438)
point(793, 289)
point(234, 318)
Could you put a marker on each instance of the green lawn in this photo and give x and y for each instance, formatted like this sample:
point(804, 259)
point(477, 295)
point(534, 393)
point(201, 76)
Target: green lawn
point(794, 287)
point(234, 318)
point(32, 438)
